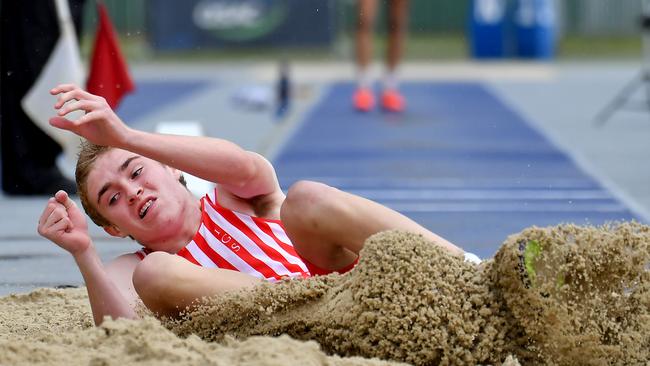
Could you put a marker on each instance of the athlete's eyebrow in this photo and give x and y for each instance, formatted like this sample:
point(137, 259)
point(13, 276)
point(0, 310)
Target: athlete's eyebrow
point(122, 168)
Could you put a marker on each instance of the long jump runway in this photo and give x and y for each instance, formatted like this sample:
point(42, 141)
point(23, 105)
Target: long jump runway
point(459, 161)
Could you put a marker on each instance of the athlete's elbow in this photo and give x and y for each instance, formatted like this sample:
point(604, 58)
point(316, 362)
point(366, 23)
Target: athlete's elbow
point(247, 173)
point(248, 170)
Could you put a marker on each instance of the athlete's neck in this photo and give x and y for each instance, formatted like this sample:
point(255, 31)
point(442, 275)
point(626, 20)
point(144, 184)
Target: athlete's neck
point(189, 226)
point(192, 224)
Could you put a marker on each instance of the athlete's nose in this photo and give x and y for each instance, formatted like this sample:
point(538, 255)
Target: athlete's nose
point(134, 193)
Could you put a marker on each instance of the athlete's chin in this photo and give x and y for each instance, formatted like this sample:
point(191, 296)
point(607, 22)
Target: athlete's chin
point(168, 225)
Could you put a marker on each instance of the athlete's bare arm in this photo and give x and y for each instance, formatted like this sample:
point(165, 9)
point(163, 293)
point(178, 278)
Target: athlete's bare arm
point(112, 288)
point(168, 283)
point(64, 224)
point(241, 172)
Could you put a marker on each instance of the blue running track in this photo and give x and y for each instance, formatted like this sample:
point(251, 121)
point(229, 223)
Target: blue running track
point(150, 96)
point(459, 162)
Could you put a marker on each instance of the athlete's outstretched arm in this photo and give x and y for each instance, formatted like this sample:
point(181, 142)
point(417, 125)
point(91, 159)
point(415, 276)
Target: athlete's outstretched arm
point(64, 224)
point(245, 174)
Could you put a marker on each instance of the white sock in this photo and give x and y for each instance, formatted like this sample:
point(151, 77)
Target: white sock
point(390, 80)
point(364, 79)
point(472, 258)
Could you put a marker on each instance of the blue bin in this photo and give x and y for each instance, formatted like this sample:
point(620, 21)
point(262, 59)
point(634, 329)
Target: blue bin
point(487, 28)
point(535, 24)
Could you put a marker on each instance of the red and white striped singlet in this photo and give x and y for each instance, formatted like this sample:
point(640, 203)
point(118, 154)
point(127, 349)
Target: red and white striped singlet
point(232, 240)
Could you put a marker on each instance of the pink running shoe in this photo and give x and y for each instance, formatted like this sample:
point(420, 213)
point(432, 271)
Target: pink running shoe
point(392, 101)
point(363, 100)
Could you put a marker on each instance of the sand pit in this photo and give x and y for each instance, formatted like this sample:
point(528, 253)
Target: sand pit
point(54, 327)
point(582, 298)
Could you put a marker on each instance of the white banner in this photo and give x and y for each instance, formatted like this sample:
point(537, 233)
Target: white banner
point(63, 66)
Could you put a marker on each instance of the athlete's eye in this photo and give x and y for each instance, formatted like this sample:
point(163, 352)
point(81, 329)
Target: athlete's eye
point(113, 199)
point(136, 173)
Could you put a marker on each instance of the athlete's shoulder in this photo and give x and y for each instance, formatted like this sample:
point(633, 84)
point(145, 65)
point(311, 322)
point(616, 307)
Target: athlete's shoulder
point(125, 263)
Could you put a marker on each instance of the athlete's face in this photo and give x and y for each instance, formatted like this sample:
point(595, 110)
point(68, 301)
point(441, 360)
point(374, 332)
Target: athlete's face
point(140, 197)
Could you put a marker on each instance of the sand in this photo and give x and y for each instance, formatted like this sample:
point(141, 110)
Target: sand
point(54, 327)
point(587, 302)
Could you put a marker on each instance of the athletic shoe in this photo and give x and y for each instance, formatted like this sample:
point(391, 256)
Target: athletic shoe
point(392, 101)
point(363, 100)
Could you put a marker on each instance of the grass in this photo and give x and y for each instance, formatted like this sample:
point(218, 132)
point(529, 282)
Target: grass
point(434, 47)
point(600, 47)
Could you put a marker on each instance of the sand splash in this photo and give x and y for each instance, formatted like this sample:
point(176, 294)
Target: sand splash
point(582, 299)
point(410, 301)
point(402, 302)
point(589, 302)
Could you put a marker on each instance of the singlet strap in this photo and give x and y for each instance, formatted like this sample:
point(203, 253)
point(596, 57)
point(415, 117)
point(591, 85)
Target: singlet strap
point(143, 253)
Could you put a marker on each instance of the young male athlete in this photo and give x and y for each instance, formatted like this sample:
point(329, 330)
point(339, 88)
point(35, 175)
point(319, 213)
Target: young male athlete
point(243, 232)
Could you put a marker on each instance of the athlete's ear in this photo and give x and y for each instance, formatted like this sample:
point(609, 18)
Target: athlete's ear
point(114, 231)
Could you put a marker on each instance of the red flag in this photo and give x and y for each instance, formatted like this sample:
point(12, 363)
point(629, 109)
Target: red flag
point(109, 76)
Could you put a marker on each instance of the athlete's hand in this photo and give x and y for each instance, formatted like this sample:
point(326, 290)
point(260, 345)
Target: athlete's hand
point(100, 125)
point(64, 224)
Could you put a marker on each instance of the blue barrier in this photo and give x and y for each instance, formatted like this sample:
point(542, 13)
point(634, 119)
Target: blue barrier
point(535, 26)
point(487, 28)
point(515, 28)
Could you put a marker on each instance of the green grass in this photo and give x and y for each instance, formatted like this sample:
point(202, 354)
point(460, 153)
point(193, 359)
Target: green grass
point(433, 47)
point(600, 47)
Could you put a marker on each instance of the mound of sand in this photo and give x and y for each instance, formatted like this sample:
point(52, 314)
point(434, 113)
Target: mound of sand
point(589, 301)
point(407, 300)
point(584, 300)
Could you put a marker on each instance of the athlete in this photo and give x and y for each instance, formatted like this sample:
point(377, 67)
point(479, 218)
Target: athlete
point(244, 231)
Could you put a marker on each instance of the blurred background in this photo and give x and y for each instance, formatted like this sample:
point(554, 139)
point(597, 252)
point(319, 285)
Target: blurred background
point(438, 30)
point(518, 112)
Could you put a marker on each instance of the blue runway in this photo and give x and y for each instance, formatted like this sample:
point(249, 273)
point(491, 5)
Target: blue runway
point(459, 162)
point(150, 96)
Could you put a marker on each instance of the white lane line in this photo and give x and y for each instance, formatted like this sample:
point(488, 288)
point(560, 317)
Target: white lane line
point(483, 194)
point(348, 183)
point(506, 207)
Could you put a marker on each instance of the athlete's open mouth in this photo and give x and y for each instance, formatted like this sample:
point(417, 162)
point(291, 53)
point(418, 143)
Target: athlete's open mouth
point(145, 208)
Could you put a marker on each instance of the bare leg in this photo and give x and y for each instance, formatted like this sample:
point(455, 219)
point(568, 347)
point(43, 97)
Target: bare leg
point(397, 25)
point(328, 227)
point(367, 13)
point(167, 283)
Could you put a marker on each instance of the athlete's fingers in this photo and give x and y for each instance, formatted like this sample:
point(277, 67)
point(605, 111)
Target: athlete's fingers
point(65, 88)
point(79, 105)
point(61, 226)
point(62, 123)
point(43, 223)
point(61, 88)
point(51, 204)
point(76, 93)
point(90, 116)
point(56, 216)
point(63, 198)
point(70, 125)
